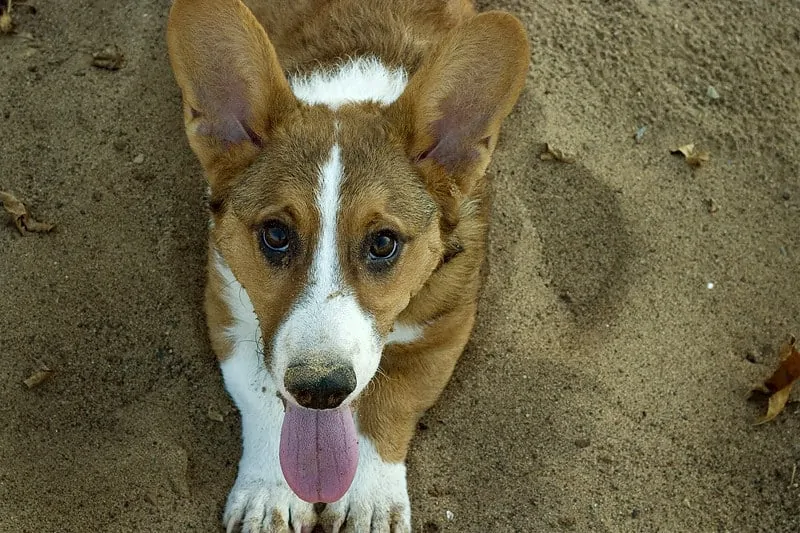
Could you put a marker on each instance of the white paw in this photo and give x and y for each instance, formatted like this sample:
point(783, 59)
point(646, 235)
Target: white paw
point(260, 501)
point(377, 502)
point(266, 507)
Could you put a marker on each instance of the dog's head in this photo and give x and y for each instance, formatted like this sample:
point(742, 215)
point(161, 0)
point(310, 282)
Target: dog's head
point(333, 218)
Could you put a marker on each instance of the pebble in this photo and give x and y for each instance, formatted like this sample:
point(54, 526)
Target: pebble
point(712, 93)
point(214, 414)
point(786, 195)
point(139, 159)
point(639, 135)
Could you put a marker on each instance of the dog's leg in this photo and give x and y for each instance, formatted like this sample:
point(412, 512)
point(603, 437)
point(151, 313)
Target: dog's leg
point(260, 500)
point(377, 500)
point(410, 381)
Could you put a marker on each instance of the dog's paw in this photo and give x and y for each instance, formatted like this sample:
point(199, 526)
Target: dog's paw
point(377, 502)
point(266, 507)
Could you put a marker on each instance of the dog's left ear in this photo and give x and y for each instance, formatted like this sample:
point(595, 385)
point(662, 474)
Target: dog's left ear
point(450, 112)
point(234, 90)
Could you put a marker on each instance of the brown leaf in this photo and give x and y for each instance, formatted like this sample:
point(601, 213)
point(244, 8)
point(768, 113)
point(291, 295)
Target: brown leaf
point(38, 377)
point(694, 158)
point(684, 150)
point(789, 369)
point(6, 22)
point(776, 404)
point(21, 216)
point(109, 59)
point(552, 153)
point(213, 414)
point(779, 384)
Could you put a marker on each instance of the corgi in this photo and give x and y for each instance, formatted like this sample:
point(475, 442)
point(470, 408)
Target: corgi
point(345, 145)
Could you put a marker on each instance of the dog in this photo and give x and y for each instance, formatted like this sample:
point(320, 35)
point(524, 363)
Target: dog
point(345, 145)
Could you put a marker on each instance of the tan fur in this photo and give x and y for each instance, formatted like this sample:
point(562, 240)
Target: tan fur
point(416, 167)
point(411, 380)
point(383, 190)
point(202, 62)
point(218, 316)
point(296, 149)
point(309, 34)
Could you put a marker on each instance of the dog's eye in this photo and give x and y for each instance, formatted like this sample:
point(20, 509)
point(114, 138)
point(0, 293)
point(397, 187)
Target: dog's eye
point(383, 246)
point(276, 237)
point(276, 240)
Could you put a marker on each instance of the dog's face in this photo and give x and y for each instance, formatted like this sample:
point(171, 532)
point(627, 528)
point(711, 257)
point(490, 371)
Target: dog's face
point(331, 231)
point(333, 217)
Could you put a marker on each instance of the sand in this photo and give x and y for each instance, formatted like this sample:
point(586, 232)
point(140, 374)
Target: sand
point(604, 388)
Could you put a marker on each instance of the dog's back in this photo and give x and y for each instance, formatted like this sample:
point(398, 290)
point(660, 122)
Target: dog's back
point(309, 34)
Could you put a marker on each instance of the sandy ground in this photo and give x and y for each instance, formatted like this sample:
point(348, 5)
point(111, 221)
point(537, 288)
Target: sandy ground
point(604, 389)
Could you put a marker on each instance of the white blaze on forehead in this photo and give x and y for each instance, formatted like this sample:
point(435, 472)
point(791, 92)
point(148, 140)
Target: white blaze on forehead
point(325, 269)
point(363, 79)
point(327, 324)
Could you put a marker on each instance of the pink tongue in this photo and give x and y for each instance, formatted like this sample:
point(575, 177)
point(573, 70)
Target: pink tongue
point(319, 452)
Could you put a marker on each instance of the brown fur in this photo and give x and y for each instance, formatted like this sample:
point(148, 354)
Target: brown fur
point(295, 150)
point(309, 34)
point(416, 167)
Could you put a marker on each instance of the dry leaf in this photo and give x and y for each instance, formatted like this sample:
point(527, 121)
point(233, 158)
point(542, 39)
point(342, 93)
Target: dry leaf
point(776, 404)
point(552, 153)
point(779, 384)
point(789, 369)
point(214, 414)
point(685, 150)
point(694, 158)
point(698, 159)
point(38, 377)
point(21, 216)
point(109, 59)
point(6, 22)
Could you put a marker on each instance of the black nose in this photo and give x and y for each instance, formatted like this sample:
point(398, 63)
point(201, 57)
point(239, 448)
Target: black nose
point(318, 386)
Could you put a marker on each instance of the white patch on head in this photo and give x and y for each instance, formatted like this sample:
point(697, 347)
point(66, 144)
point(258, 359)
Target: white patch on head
point(405, 333)
point(327, 324)
point(363, 79)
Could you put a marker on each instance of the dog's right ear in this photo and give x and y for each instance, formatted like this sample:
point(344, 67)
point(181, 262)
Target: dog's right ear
point(234, 90)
